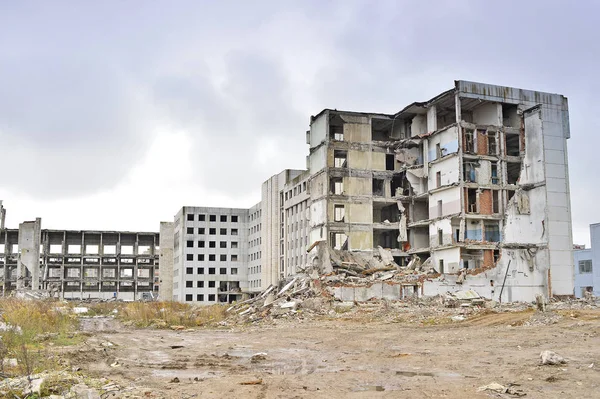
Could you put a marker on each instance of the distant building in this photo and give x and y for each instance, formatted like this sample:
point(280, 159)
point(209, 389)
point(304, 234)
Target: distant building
point(587, 265)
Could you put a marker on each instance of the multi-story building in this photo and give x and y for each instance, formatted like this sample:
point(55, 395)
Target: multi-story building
point(210, 252)
point(475, 178)
point(587, 272)
point(472, 183)
point(80, 264)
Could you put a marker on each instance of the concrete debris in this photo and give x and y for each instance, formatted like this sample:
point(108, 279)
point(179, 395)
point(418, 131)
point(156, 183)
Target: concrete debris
point(498, 388)
point(551, 358)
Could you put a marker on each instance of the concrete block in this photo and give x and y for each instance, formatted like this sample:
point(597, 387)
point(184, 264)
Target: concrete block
point(391, 291)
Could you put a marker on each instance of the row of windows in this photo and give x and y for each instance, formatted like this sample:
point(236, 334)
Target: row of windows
point(212, 257)
point(255, 269)
point(212, 231)
point(256, 215)
point(211, 244)
point(199, 297)
point(255, 242)
point(211, 270)
point(300, 188)
point(211, 218)
point(255, 283)
point(255, 229)
point(255, 256)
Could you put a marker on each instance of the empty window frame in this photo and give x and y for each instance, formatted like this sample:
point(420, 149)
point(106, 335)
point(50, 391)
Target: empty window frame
point(339, 241)
point(234, 219)
point(492, 143)
point(223, 232)
point(389, 161)
point(199, 284)
point(201, 257)
point(470, 175)
point(336, 185)
point(212, 244)
point(212, 257)
point(340, 158)
point(468, 139)
point(223, 218)
point(189, 284)
point(201, 230)
point(190, 230)
point(378, 187)
point(223, 270)
point(201, 244)
point(223, 258)
point(441, 266)
point(494, 173)
point(512, 141)
point(471, 200)
point(234, 232)
point(440, 208)
point(200, 270)
point(339, 212)
point(211, 284)
point(212, 218)
point(190, 217)
point(438, 179)
point(200, 297)
point(202, 218)
point(336, 132)
point(440, 237)
point(222, 244)
point(189, 270)
point(212, 231)
point(495, 201)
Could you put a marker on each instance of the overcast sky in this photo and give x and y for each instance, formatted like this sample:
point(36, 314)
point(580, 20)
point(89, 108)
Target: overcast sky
point(114, 114)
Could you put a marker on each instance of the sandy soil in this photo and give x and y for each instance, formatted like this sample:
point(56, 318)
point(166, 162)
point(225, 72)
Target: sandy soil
point(351, 358)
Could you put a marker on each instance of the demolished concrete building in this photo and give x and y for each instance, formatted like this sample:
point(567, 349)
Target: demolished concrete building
point(79, 264)
point(474, 181)
point(470, 188)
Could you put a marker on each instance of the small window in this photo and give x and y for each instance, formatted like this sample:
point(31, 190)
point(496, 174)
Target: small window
point(200, 270)
point(200, 297)
point(223, 218)
point(223, 270)
point(234, 270)
point(234, 232)
point(438, 179)
point(339, 159)
point(189, 297)
point(200, 284)
point(440, 237)
point(212, 218)
point(202, 218)
point(234, 219)
point(234, 258)
point(190, 256)
point(585, 266)
point(190, 230)
point(190, 217)
point(441, 266)
point(223, 258)
point(189, 284)
point(189, 270)
point(211, 284)
point(440, 208)
point(201, 230)
point(190, 244)
point(211, 270)
point(212, 231)
point(212, 244)
point(339, 213)
point(223, 244)
point(200, 244)
point(211, 258)
point(211, 297)
point(336, 185)
point(234, 244)
point(223, 232)
point(201, 257)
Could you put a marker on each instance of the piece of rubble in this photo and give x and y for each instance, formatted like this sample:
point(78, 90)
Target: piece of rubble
point(499, 388)
point(551, 358)
point(258, 357)
point(252, 382)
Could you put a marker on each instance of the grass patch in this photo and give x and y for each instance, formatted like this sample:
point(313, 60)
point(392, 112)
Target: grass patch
point(28, 328)
point(166, 314)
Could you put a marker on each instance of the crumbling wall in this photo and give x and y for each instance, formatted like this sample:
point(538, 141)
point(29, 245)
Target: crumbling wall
point(166, 245)
point(30, 236)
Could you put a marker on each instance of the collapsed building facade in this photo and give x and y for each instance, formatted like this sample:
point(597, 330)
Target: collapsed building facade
point(467, 191)
point(473, 183)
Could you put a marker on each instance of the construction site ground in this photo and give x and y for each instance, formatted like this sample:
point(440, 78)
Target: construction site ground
point(370, 353)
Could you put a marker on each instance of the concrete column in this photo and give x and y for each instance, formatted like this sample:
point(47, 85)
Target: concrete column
point(165, 261)
point(29, 253)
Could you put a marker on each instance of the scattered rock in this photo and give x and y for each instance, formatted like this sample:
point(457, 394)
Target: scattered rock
point(258, 357)
point(252, 382)
point(174, 380)
point(498, 388)
point(551, 358)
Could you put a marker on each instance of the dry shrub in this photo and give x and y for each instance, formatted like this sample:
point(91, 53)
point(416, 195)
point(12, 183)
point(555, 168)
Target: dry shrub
point(165, 314)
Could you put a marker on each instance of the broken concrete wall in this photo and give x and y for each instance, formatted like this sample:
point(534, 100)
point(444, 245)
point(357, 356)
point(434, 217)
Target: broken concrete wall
point(30, 236)
point(444, 142)
point(449, 172)
point(450, 202)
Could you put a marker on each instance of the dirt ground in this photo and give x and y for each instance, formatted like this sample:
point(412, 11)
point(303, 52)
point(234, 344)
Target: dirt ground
point(350, 358)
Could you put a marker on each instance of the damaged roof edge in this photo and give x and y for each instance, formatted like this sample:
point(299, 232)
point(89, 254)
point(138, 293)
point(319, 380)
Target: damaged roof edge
point(313, 117)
